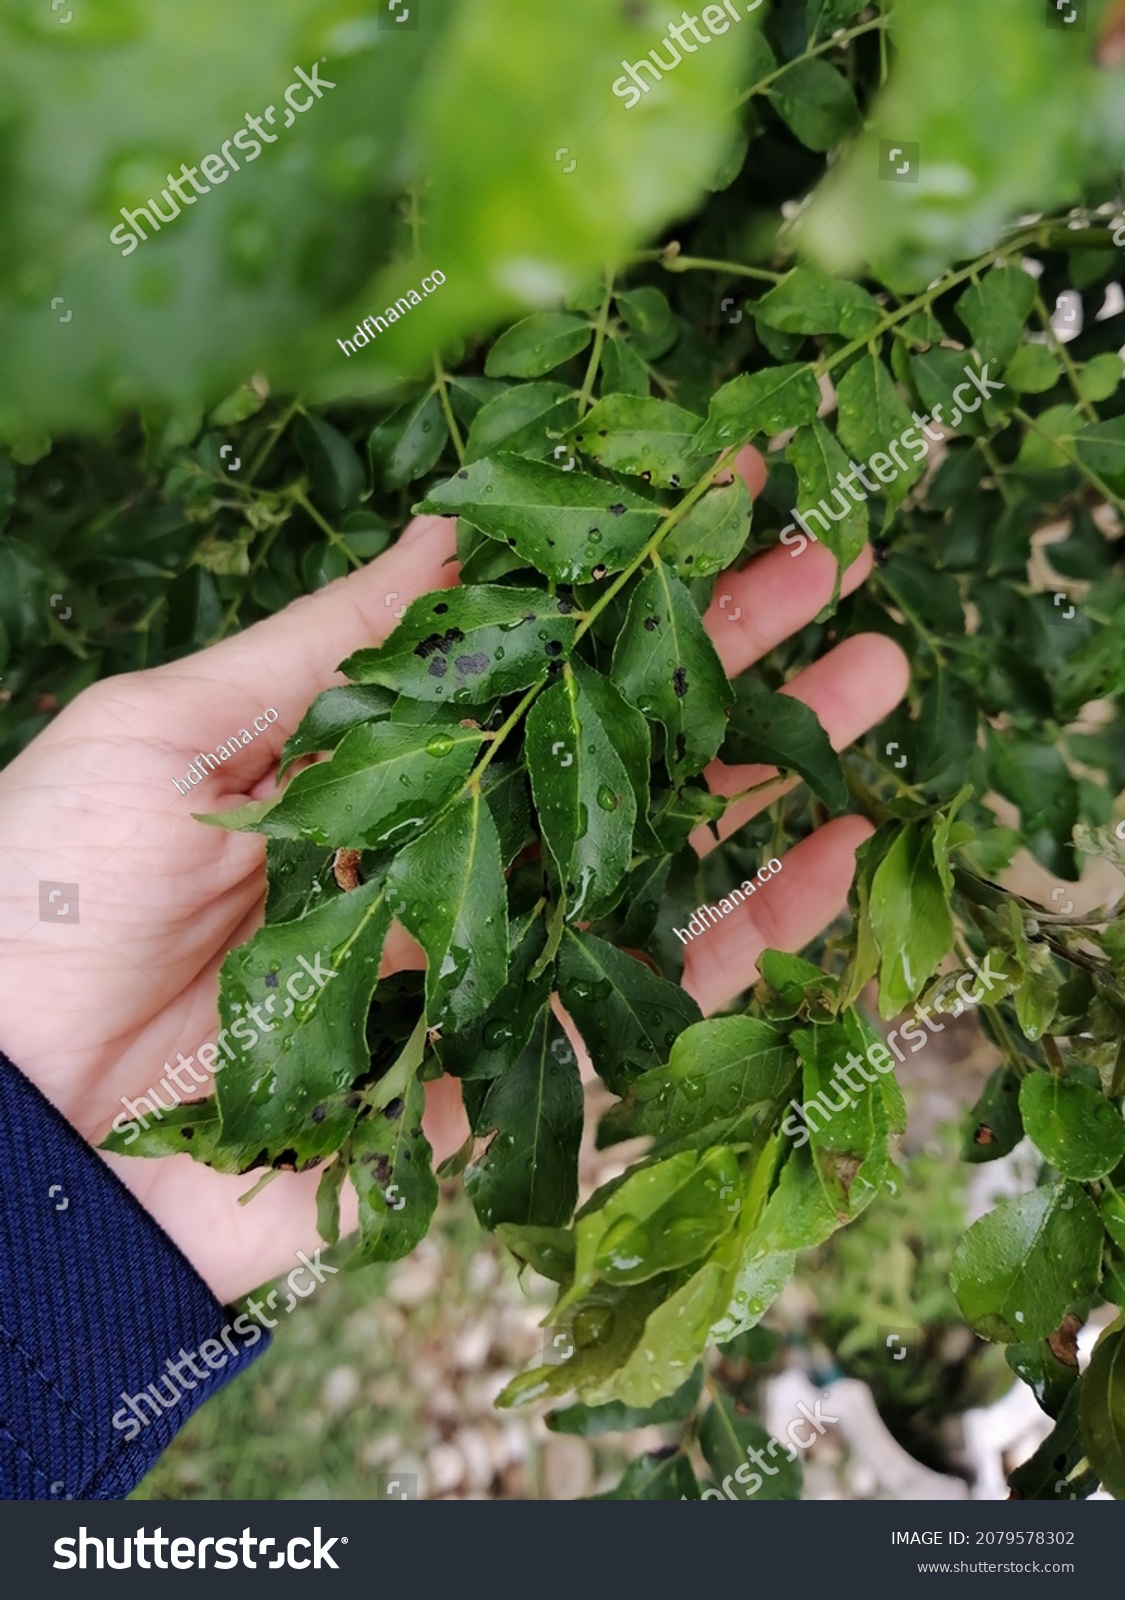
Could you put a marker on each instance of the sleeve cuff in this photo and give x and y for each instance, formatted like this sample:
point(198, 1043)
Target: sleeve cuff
point(109, 1338)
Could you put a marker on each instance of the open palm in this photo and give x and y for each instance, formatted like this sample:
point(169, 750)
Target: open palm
point(91, 1010)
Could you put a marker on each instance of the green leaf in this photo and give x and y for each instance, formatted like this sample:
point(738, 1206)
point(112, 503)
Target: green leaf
point(571, 526)
point(871, 418)
point(447, 888)
point(332, 714)
point(522, 421)
point(1032, 370)
point(381, 785)
point(337, 473)
point(821, 464)
point(1055, 1471)
point(583, 795)
point(790, 986)
point(1049, 1378)
point(283, 1094)
point(643, 438)
point(758, 1278)
point(1035, 777)
point(656, 1219)
point(994, 1126)
point(629, 1018)
point(1019, 1269)
point(537, 344)
point(650, 321)
point(717, 1069)
point(1113, 1215)
point(192, 1127)
point(294, 251)
point(655, 1477)
point(529, 1173)
point(910, 918)
point(778, 730)
point(666, 666)
point(391, 1167)
point(808, 301)
point(1101, 447)
point(623, 371)
point(409, 443)
point(488, 1044)
point(674, 1339)
point(730, 1440)
point(797, 1215)
point(469, 645)
point(816, 103)
point(765, 402)
point(995, 310)
point(591, 1422)
point(549, 1250)
point(848, 1130)
point(630, 736)
point(1100, 377)
point(712, 534)
point(1073, 1125)
point(1101, 1411)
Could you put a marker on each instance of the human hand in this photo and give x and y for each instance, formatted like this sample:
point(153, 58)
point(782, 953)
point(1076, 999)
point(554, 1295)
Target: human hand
point(91, 1012)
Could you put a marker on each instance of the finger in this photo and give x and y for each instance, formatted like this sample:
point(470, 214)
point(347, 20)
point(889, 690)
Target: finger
point(751, 468)
point(754, 610)
point(784, 914)
point(851, 689)
point(283, 662)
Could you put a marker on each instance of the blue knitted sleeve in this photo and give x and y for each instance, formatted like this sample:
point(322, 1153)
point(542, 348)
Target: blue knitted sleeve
point(98, 1311)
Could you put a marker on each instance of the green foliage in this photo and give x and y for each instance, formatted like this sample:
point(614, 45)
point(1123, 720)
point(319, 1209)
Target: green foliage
point(522, 762)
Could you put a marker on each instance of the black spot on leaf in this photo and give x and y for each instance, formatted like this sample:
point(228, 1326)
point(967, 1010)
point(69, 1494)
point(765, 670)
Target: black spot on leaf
point(438, 642)
point(553, 647)
point(472, 666)
point(679, 682)
point(393, 1109)
point(617, 510)
point(651, 624)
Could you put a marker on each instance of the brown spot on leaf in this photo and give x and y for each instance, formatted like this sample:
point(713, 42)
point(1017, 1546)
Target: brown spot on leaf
point(345, 868)
point(984, 1136)
point(1063, 1342)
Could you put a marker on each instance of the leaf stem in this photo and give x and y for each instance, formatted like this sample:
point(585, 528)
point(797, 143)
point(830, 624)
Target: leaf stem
point(674, 262)
point(1059, 348)
point(585, 399)
point(497, 739)
point(300, 498)
point(441, 386)
point(1076, 462)
point(676, 515)
point(837, 41)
